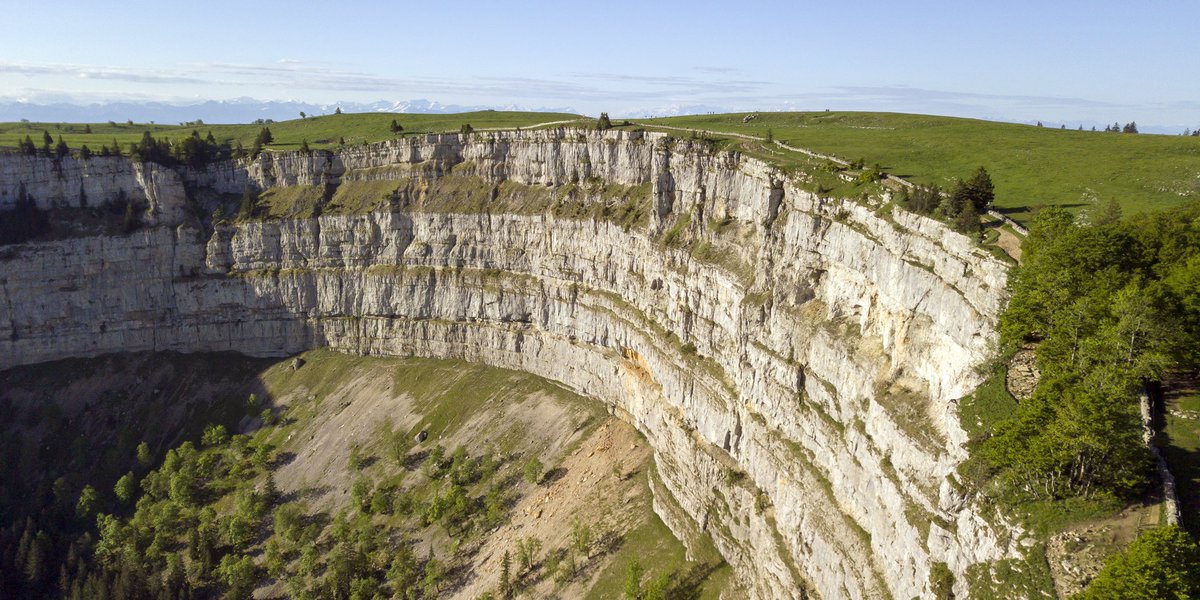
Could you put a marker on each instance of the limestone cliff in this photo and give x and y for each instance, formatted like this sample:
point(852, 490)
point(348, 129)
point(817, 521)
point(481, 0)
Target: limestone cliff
point(794, 360)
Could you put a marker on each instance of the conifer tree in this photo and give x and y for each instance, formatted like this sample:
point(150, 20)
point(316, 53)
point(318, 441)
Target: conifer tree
point(506, 586)
point(967, 220)
point(144, 457)
point(125, 488)
point(980, 188)
point(89, 501)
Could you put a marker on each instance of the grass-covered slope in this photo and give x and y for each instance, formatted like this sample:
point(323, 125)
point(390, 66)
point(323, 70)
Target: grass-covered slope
point(319, 486)
point(1031, 166)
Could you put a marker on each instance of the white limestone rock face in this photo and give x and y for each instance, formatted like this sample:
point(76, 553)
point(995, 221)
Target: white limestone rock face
point(74, 183)
point(768, 379)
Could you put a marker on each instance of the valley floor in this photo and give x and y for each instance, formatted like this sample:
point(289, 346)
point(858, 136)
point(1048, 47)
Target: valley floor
point(509, 464)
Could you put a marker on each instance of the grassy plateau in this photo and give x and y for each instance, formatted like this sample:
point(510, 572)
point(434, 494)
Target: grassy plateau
point(320, 131)
point(1031, 166)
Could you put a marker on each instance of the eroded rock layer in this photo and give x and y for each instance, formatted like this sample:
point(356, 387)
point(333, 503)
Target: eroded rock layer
point(793, 360)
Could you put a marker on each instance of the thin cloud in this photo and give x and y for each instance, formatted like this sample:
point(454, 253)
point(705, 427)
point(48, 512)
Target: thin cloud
point(912, 93)
point(679, 81)
point(714, 88)
point(299, 75)
point(94, 72)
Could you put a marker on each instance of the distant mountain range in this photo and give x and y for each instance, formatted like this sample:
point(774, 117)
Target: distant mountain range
point(241, 110)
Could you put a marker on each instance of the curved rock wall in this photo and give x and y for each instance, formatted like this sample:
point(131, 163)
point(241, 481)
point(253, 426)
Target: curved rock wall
point(798, 384)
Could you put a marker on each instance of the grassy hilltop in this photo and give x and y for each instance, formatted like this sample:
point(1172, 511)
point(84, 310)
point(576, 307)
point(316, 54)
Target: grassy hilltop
point(1031, 166)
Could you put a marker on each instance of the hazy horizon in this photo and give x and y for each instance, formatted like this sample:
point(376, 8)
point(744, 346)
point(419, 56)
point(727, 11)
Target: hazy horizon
point(1078, 63)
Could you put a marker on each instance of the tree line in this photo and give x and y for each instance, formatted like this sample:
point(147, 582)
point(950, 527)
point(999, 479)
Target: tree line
point(1113, 308)
point(192, 150)
point(962, 207)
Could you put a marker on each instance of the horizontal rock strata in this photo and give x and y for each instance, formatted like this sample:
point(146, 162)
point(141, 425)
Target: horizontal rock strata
point(793, 360)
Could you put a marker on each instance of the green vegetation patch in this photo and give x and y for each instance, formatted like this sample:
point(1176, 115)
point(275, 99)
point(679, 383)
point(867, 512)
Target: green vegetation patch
point(1013, 578)
point(363, 197)
point(292, 202)
point(988, 405)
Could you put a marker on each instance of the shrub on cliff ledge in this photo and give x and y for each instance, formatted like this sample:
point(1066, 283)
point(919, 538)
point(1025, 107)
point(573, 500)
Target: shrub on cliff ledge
point(249, 204)
point(603, 122)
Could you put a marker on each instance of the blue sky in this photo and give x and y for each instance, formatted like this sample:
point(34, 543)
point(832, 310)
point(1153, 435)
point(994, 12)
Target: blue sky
point(1073, 62)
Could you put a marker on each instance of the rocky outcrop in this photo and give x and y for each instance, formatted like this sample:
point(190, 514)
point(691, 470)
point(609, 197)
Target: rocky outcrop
point(794, 360)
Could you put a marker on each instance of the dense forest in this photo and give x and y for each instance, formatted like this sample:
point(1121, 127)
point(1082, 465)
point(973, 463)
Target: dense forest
point(1113, 307)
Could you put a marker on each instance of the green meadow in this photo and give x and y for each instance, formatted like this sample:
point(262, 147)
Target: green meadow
point(321, 131)
point(1031, 166)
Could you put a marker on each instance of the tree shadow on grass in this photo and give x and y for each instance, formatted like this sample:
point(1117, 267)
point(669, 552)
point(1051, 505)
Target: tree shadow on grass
point(414, 460)
point(314, 491)
point(609, 543)
point(1012, 210)
point(283, 458)
point(688, 583)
